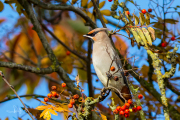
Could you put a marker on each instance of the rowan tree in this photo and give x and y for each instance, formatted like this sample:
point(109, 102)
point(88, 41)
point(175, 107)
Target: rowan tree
point(47, 43)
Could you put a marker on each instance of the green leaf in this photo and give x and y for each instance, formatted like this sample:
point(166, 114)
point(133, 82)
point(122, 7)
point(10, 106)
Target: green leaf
point(136, 19)
point(130, 21)
point(148, 37)
point(172, 21)
point(136, 36)
point(141, 34)
point(147, 19)
point(142, 19)
point(78, 26)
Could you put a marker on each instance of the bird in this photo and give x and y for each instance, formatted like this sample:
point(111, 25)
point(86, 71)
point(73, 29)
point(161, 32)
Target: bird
point(107, 63)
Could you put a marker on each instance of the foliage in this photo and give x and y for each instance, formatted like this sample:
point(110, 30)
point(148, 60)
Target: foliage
point(47, 42)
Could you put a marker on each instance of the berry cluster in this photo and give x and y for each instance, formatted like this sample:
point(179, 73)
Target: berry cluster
point(53, 93)
point(72, 100)
point(125, 111)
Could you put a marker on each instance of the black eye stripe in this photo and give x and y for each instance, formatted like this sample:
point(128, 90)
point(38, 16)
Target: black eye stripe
point(93, 34)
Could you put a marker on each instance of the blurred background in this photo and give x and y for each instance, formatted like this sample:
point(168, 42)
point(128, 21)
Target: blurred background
point(17, 36)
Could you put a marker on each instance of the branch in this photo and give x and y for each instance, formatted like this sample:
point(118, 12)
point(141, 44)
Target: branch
point(89, 77)
point(173, 112)
point(31, 95)
point(99, 13)
point(59, 41)
point(157, 66)
point(65, 7)
point(36, 70)
point(12, 88)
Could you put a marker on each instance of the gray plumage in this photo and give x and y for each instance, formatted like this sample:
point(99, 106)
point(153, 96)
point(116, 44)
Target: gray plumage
point(102, 57)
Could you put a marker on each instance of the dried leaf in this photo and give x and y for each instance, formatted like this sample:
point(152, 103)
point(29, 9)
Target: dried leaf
point(77, 80)
point(152, 32)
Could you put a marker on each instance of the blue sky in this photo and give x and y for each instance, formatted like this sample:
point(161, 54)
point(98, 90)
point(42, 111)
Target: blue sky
point(42, 88)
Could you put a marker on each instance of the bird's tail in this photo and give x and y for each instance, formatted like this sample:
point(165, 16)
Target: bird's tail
point(125, 91)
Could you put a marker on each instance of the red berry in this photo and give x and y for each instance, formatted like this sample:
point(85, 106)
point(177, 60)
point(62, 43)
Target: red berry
point(118, 108)
point(72, 101)
point(54, 93)
point(134, 109)
point(130, 101)
point(76, 96)
point(116, 78)
point(139, 108)
point(70, 105)
point(53, 87)
point(127, 12)
point(112, 68)
point(123, 108)
point(49, 95)
point(149, 10)
point(127, 105)
point(46, 99)
point(63, 84)
point(57, 95)
point(143, 11)
point(68, 52)
point(126, 115)
point(164, 44)
point(110, 0)
point(121, 112)
point(173, 38)
point(115, 111)
point(140, 96)
point(126, 111)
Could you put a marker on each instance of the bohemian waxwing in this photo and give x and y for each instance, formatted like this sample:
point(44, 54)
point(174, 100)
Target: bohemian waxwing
point(104, 57)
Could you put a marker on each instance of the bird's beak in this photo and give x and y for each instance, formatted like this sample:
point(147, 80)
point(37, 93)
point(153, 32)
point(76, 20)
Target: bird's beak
point(87, 36)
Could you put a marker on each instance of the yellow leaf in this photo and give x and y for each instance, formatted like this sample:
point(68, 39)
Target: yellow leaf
point(90, 4)
point(43, 107)
point(103, 117)
point(47, 115)
point(91, 16)
point(1, 6)
point(53, 112)
point(106, 12)
point(104, 19)
point(61, 109)
point(84, 3)
point(7, 118)
point(43, 113)
point(102, 4)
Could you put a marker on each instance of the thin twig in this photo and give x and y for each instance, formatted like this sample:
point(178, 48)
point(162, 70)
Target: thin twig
point(12, 88)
